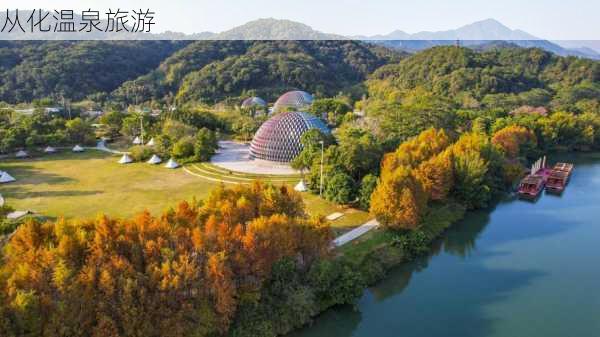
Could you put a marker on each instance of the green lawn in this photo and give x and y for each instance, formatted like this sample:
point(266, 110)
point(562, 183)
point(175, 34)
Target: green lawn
point(87, 184)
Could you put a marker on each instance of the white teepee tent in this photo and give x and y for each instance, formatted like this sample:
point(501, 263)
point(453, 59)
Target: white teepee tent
point(172, 164)
point(137, 141)
point(126, 159)
point(49, 149)
point(154, 160)
point(6, 178)
point(22, 154)
point(151, 142)
point(78, 148)
point(301, 187)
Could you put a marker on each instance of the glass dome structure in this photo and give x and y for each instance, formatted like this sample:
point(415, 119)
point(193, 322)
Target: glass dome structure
point(254, 102)
point(294, 100)
point(278, 139)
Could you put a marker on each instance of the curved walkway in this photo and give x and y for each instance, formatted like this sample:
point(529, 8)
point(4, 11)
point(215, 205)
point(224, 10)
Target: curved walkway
point(188, 171)
point(232, 178)
point(101, 146)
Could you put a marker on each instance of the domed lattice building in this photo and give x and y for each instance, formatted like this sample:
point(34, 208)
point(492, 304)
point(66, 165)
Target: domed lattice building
point(251, 102)
point(293, 100)
point(278, 139)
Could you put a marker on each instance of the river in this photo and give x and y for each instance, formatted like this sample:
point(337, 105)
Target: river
point(520, 269)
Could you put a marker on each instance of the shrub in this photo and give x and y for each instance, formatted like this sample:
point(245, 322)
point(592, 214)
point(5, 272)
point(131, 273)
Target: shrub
point(141, 153)
point(367, 186)
point(184, 148)
point(340, 189)
point(413, 244)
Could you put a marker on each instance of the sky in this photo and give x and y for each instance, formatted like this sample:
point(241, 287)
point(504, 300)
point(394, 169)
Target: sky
point(548, 19)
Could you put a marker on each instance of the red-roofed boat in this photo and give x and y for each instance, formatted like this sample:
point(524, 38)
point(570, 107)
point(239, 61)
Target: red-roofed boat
point(531, 187)
point(559, 177)
point(533, 184)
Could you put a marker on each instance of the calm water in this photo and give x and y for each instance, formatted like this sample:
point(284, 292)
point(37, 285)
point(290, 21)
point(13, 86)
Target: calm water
point(521, 269)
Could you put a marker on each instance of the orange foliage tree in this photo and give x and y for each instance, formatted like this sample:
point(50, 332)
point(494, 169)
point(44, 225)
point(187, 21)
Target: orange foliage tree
point(511, 138)
point(436, 175)
point(180, 274)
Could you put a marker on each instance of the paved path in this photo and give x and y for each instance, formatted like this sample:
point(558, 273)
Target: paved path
point(101, 146)
point(355, 233)
point(235, 156)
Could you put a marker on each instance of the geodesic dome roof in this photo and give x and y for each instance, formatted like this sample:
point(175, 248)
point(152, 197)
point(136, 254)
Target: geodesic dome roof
point(253, 101)
point(278, 139)
point(296, 100)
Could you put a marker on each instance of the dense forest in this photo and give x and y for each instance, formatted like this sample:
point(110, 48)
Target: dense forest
point(136, 71)
point(213, 71)
point(75, 69)
point(496, 78)
point(446, 86)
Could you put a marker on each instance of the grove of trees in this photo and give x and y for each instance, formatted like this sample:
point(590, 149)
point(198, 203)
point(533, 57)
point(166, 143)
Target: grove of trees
point(247, 261)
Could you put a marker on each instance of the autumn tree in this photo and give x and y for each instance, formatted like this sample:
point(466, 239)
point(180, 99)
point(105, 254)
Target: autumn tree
point(436, 176)
point(512, 139)
point(399, 201)
point(180, 274)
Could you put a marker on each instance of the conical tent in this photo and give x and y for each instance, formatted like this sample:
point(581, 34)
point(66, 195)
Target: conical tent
point(151, 142)
point(154, 160)
point(172, 164)
point(21, 154)
point(6, 178)
point(78, 148)
point(137, 141)
point(126, 159)
point(301, 187)
point(49, 149)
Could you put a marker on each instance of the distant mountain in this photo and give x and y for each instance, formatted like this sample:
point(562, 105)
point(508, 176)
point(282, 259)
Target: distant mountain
point(273, 29)
point(583, 45)
point(476, 34)
point(488, 29)
point(472, 35)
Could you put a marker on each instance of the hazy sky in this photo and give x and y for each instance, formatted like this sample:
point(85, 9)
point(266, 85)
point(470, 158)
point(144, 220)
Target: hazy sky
point(550, 19)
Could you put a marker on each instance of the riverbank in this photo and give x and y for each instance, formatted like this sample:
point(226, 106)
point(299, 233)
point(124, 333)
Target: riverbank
point(518, 268)
point(357, 266)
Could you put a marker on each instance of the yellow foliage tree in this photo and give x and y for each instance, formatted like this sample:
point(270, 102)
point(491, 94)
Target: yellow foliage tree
point(437, 176)
point(399, 201)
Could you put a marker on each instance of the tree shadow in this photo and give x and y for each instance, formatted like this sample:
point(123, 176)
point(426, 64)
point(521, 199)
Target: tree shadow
point(18, 193)
point(30, 175)
point(342, 321)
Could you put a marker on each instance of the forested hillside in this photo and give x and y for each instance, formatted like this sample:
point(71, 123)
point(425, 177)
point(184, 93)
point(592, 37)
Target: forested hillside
point(208, 71)
point(214, 70)
point(447, 86)
point(75, 69)
point(494, 77)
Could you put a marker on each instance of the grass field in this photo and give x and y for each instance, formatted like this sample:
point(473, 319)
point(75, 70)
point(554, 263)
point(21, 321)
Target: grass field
point(87, 184)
